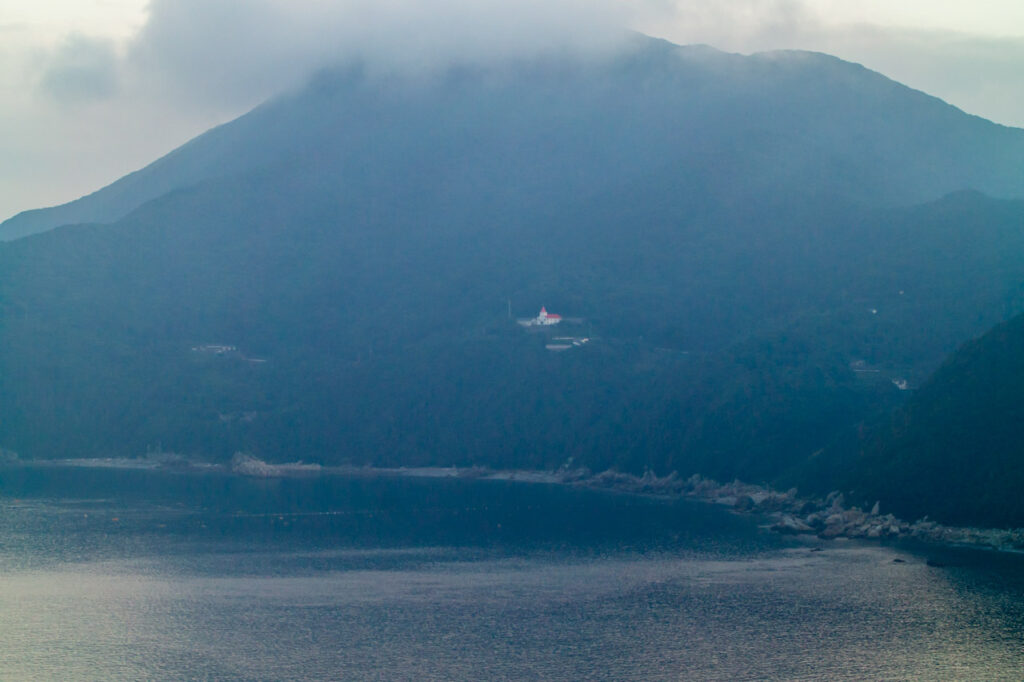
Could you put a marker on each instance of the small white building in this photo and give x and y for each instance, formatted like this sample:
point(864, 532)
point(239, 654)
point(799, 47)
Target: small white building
point(543, 319)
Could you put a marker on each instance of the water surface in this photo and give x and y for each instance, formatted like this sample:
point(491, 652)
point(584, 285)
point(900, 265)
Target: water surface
point(124, 574)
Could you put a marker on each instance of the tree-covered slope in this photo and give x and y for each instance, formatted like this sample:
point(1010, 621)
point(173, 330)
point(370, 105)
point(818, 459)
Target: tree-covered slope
point(955, 451)
point(378, 331)
point(720, 228)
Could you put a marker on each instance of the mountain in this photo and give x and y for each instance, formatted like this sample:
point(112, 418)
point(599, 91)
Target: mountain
point(721, 121)
point(955, 451)
point(755, 248)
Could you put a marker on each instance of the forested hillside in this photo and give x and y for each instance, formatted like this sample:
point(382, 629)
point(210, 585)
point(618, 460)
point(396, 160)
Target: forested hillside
point(356, 343)
point(759, 251)
point(956, 450)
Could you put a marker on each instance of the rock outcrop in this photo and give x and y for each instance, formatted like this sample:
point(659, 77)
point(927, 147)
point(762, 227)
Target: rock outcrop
point(791, 514)
point(247, 465)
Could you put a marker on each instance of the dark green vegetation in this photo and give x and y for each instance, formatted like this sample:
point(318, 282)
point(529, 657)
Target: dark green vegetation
point(743, 237)
point(955, 451)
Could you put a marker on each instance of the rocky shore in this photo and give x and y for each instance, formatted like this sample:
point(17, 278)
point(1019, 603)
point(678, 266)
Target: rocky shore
point(247, 465)
point(785, 512)
point(789, 513)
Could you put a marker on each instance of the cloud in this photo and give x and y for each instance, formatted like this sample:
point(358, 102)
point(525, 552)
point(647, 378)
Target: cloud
point(81, 69)
point(224, 56)
point(80, 111)
point(739, 25)
point(981, 73)
point(76, 112)
point(234, 52)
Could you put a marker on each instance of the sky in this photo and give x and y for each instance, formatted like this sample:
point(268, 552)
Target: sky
point(93, 89)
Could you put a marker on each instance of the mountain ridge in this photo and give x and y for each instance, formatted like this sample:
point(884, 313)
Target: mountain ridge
point(746, 254)
point(724, 81)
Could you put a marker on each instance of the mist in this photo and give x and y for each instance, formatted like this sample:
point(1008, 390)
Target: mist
point(84, 108)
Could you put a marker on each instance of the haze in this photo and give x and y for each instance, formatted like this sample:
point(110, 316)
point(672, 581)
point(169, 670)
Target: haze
point(90, 91)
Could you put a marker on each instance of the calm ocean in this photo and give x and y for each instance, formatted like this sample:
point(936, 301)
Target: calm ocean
point(117, 574)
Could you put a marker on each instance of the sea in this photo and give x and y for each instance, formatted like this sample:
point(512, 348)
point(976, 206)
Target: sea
point(111, 573)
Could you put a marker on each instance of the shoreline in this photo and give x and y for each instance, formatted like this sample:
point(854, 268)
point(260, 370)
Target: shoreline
point(786, 512)
point(827, 518)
